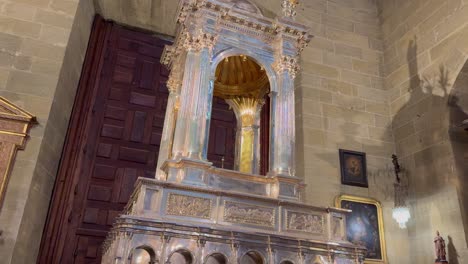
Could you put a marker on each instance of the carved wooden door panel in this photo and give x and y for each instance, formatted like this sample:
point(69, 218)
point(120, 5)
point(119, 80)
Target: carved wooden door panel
point(119, 143)
point(131, 104)
point(222, 138)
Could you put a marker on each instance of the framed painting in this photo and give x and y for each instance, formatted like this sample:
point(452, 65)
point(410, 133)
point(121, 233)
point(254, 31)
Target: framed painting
point(364, 226)
point(353, 168)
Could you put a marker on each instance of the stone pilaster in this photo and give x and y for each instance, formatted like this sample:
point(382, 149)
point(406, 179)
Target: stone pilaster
point(167, 139)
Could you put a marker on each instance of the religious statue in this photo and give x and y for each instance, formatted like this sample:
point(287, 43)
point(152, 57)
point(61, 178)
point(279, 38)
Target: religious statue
point(440, 249)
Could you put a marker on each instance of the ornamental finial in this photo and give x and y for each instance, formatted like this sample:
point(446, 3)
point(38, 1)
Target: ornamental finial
point(289, 7)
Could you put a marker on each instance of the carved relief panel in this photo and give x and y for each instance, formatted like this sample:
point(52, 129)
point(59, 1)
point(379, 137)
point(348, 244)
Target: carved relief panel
point(190, 206)
point(305, 222)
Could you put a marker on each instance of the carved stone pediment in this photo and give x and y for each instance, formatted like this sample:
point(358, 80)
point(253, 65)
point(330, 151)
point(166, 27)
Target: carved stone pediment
point(14, 126)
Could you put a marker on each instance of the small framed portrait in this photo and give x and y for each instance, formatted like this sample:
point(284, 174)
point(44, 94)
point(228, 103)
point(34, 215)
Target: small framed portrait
point(353, 168)
point(364, 226)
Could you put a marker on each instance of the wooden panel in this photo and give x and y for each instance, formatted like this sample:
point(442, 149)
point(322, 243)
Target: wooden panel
point(113, 139)
point(222, 136)
point(265, 137)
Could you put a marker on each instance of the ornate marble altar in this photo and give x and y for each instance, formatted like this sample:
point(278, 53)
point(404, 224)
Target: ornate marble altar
point(205, 214)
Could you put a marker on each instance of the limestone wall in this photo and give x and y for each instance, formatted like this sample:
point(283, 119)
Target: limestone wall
point(425, 46)
point(40, 65)
point(341, 103)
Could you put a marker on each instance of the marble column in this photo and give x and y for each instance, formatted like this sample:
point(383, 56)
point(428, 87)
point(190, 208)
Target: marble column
point(284, 117)
point(247, 110)
point(195, 97)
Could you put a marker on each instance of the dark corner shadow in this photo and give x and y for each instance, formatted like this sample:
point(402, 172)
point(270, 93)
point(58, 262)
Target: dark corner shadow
point(458, 111)
point(452, 252)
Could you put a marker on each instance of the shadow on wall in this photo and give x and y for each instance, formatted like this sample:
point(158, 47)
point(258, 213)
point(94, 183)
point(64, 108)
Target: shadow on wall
point(458, 109)
point(425, 137)
point(419, 128)
point(452, 252)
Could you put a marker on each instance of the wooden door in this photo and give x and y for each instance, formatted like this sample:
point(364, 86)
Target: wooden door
point(222, 138)
point(113, 138)
point(265, 137)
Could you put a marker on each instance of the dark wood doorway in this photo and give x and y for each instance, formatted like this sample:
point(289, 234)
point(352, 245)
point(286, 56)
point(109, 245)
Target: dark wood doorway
point(113, 138)
point(222, 137)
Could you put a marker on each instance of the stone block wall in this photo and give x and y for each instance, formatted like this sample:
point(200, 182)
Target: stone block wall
point(42, 47)
point(342, 103)
point(425, 46)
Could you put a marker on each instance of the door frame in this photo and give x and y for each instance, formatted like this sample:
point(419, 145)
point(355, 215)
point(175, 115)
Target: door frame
point(59, 217)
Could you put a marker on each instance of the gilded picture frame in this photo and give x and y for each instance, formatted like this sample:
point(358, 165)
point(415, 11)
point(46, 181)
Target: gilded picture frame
point(365, 225)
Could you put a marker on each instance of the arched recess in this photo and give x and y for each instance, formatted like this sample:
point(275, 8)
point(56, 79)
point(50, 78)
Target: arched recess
point(252, 257)
point(286, 262)
point(238, 75)
point(216, 258)
point(143, 255)
point(458, 114)
point(180, 256)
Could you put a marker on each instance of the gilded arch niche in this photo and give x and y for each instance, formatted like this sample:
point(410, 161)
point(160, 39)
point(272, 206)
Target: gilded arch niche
point(244, 85)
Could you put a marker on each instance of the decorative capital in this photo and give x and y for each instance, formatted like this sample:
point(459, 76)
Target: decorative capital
point(201, 241)
point(165, 238)
point(287, 63)
point(198, 41)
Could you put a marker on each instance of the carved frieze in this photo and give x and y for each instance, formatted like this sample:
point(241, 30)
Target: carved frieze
point(242, 213)
point(305, 222)
point(191, 206)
